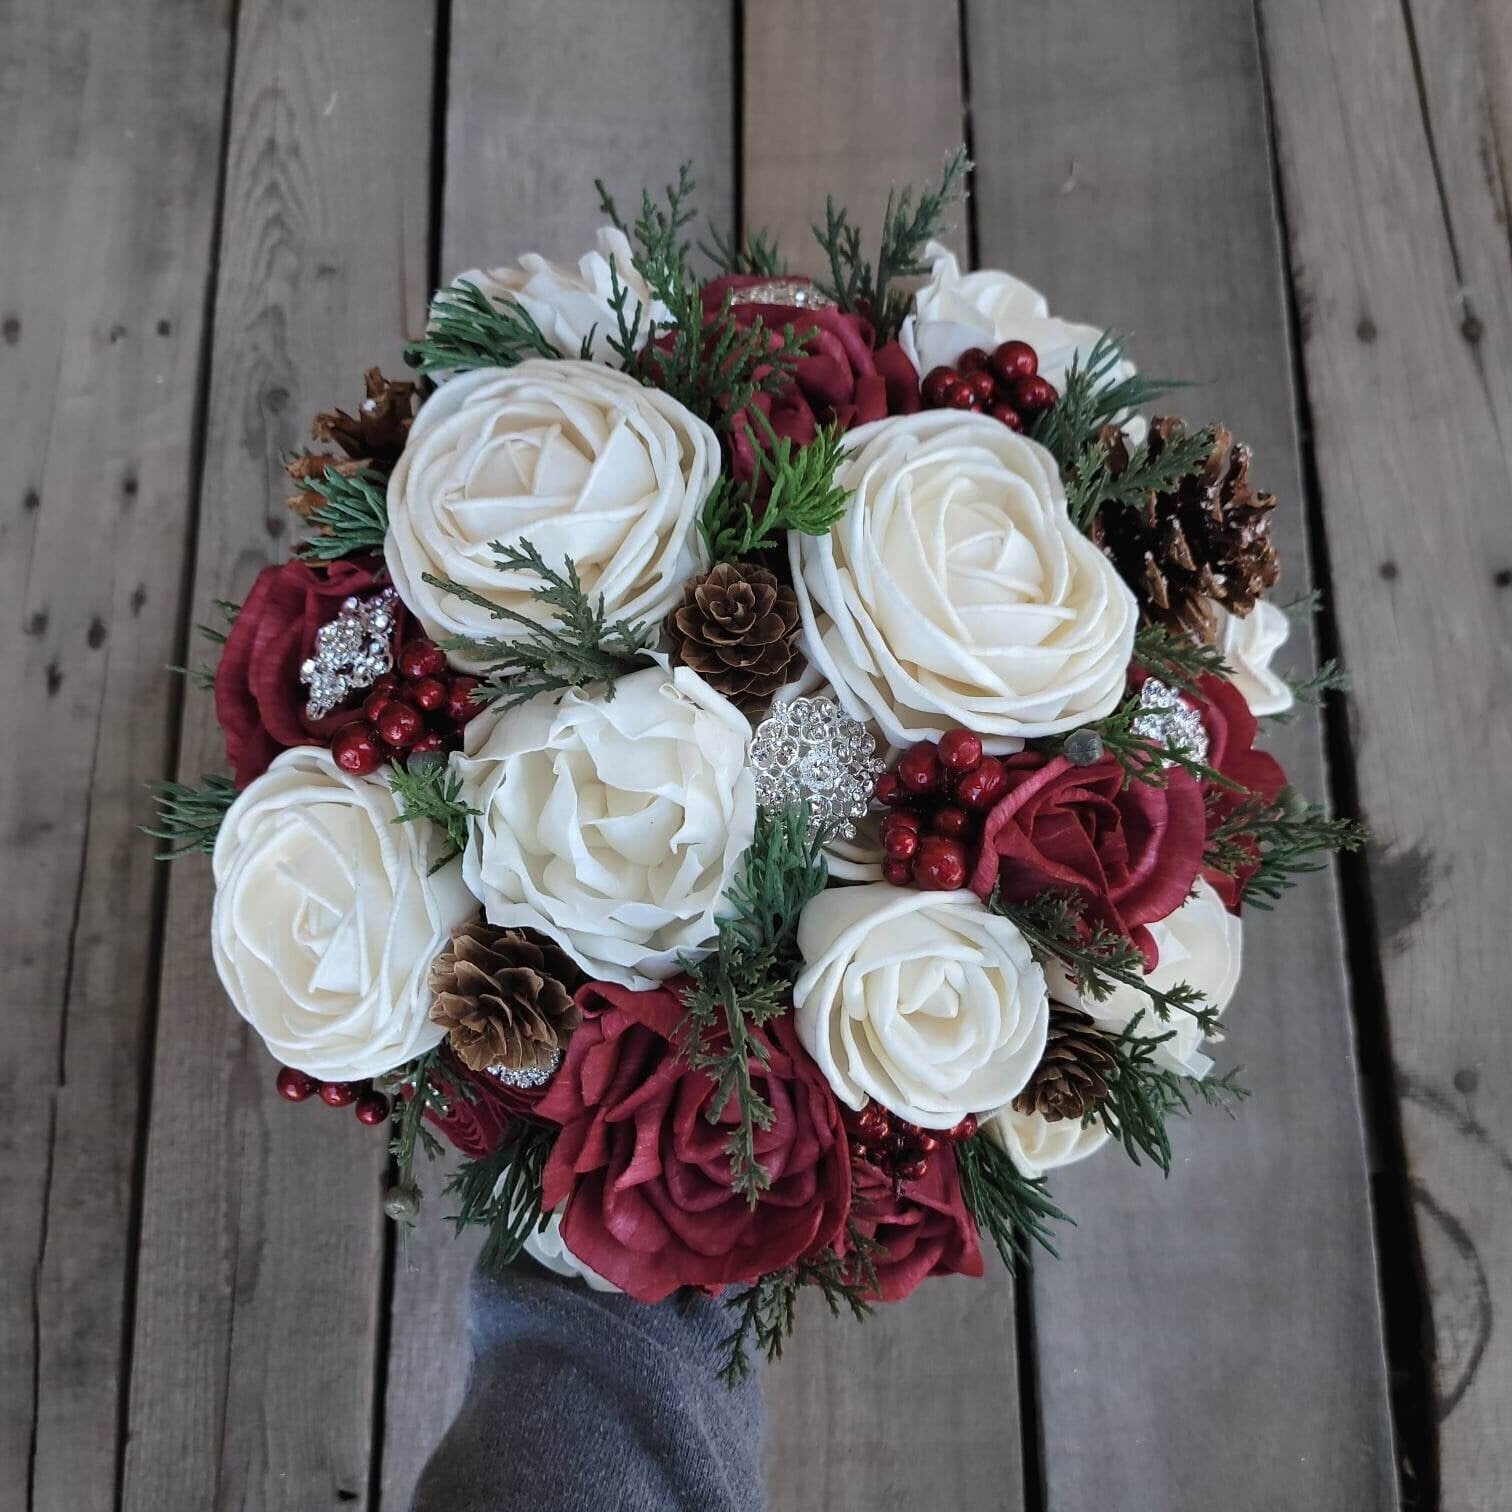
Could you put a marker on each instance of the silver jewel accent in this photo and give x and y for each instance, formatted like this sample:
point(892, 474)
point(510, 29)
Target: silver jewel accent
point(797, 292)
point(353, 651)
point(1170, 721)
point(811, 752)
point(527, 1077)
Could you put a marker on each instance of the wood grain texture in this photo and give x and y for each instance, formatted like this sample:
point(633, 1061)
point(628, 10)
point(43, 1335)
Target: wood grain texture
point(521, 157)
point(1407, 341)
point(918, 1406)
point(1219, 1330)
point(110, 120)
point(259, 1278)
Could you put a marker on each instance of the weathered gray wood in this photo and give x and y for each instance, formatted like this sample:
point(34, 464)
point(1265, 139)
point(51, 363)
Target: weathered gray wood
point(918, 1406)
point(1217, 1335)
point(260, 1265)
point(109, 142)
point(1408, 349)
point(544, 96)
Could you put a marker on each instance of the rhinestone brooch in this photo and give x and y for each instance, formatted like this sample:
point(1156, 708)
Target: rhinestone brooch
point(526, 1078)
point(1168, 720)
point(797, 292)
point(811, 752)
point(353, 651)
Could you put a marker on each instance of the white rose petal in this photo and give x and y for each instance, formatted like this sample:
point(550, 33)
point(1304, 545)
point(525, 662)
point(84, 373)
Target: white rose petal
point(614, 825)
point(1038, 1144)
point(547, 1248)
point(326, 917)
point(572, 306)
point(956, 310)
point(926, 1001)
point(580, 460)
point(1249, 644)
point(956, 590)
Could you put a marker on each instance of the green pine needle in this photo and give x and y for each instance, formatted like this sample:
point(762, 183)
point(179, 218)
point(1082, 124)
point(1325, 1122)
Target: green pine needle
point(468, 330)
point(1177, 660)
point(1014, 1212)
point(1310, 691)
point(1092, 487)
point(756, 255)
point(189, 818)
point(502, 1192)
point(1284, 840)
point(428, 789)
point(1147, 760)
point(352, 521)
point(803, 496)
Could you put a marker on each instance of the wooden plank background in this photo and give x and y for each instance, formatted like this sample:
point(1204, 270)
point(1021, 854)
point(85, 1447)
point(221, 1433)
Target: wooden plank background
point(216, 214)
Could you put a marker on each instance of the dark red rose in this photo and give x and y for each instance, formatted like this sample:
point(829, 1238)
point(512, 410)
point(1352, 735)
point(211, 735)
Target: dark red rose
point(646, 1176)
point(479, 1108)
point(1231, 729)
point(924, 1230)
point(841, 379)
point(1130, 850)
point(259, 699)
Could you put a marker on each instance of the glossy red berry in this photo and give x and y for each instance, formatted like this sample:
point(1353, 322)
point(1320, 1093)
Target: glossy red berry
point(1031, 395)
point(962, 1131)
point(421, 658)
point(427, 693)
point(429, 743)
point(951, 822)
point(960, 395)
point(356, 750)
point(940, 865)
point(889, 790)
point(919, 768)
point(960, 750)
point(925, 1144)
point(1014, 359)
point(337, 1094)
point(400, 725)
point(459, 700)
point(982, 384)
point(372, 1108)
point(386, 683)
point(981, 787)
point(899, 873)
point(295, 1085)
point(913, 1170)
point(872, 1122)
point(972, 360)
point(375, 703)
point(935, 384)
point(1005, 414)
point(900, 844)
point(902, 819)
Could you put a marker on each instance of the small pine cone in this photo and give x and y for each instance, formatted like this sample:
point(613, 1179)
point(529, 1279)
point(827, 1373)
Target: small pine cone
point(304, 501)
point(1071, 1078)
point(1207, 539)
point(379, 429)
point(735, 628)
point(505, 997)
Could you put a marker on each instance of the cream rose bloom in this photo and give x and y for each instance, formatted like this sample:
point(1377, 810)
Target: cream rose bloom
point(327, 918)
point(572, 306)
point(547, 1248)
point(614, 825)
point(956, 590)
point(956, 310)
point(1038, 1144)
point(926, 1001)
point(1249, 645)
point(580, 460)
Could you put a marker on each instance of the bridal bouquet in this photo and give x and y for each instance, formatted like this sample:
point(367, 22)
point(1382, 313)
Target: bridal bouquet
point(764, 766)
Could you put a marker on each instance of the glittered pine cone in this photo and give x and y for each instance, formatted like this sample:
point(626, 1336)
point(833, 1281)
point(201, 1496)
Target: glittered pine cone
point(735, 628)
point(1071, 1078)
point(505, 997)
point(1206, 539)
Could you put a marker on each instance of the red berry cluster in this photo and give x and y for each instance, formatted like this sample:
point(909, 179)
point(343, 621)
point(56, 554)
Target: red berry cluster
point(939, 795)
point(1004, 383)
point(413, 709)
point(371, 1107)
point(900, 1150)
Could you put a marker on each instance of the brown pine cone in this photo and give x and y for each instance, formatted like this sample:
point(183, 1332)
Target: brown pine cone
point(735, 628)
point(1207, 539)
point(505, 997)
point(1071, 1078)
point(374, 435)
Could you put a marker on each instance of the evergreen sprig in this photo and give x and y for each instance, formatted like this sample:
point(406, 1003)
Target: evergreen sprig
point(353, 519)
point(502, 1191)
point(756, 255)
point(745, 979)
point(1145, 759)
point(415, 1091)
point(467, 330)
point(1177, 660)
point(1309, 692)
point(583, 646)
point(908, 226)
point(803, 496)
point(1094, 394)
point(1143, 1094)
point(189, 818)
point(428, 789)
point(1282, 839)
point(202, 674)
point(1010, 1209)
point(1092, 485)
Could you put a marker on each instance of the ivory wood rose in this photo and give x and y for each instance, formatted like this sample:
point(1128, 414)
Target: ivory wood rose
point(1037, 1144)
point(579, 459)
point(612, 824)
point(926, 1001)
point(327, 917)
point(956, 590)
point(1249, 645)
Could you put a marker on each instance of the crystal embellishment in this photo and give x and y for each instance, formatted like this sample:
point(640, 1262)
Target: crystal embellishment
point(1167, 719)
point(527, 1078)
point(353, 651)
point(811, 752)
point(797, 292)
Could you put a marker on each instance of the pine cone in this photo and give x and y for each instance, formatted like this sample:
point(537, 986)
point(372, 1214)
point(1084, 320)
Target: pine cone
point(1207, 539)
point(374, 435)
point(735, 628)
point(1070, 1079)
point(505, 997)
